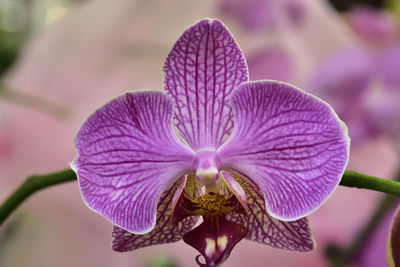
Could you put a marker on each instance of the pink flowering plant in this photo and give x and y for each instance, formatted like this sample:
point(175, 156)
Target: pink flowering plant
point(251, 158)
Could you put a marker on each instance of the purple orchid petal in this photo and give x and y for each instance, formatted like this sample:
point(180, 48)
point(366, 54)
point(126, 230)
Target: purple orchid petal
point(163, 232)
point(393, 244)
point(262, 228)
point(127, 155)
point(291, 144)
point(201, 71)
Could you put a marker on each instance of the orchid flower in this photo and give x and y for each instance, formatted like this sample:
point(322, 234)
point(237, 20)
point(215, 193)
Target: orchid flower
point(251, 158)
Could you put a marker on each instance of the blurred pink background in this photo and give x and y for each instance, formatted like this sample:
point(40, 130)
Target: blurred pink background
point(92, 51)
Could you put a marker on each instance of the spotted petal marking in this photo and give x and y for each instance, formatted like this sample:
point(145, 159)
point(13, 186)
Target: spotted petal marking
point(163, 232)
point(291, 144)
point(127, 155)
point(263, 228)
point(182, 204)
point(201, 71)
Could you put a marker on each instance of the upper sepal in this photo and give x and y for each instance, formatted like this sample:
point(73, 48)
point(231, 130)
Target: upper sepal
point(201, 71)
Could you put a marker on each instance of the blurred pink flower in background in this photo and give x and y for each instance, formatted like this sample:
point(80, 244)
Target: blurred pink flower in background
point(363, 86)
point(362, 83)
point(291, 51)
point(382, 107)
point(264, 14)
point(373, 250)
point(374, 26)
point(342, 80)
point(271, 63)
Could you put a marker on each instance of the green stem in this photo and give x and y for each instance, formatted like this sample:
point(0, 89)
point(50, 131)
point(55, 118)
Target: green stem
point(38, 182)
point(363, 181)
point(31, 186)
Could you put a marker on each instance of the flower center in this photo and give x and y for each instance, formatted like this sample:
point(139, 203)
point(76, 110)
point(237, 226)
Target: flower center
point(216, 236)
point(213, 204)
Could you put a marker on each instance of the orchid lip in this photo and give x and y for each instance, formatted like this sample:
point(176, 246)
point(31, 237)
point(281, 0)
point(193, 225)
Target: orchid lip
point(215, 237)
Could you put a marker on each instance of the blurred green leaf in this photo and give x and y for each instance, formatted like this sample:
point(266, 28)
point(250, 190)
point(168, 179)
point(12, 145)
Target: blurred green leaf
point(161, 260)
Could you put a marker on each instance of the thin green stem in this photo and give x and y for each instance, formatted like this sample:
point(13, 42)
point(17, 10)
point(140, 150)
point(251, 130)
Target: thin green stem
point(38, 182)
point(363, 181)
point(31, 186)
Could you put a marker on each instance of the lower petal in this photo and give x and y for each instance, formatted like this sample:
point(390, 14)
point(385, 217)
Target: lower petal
point(262, 228)
point(163, 232)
